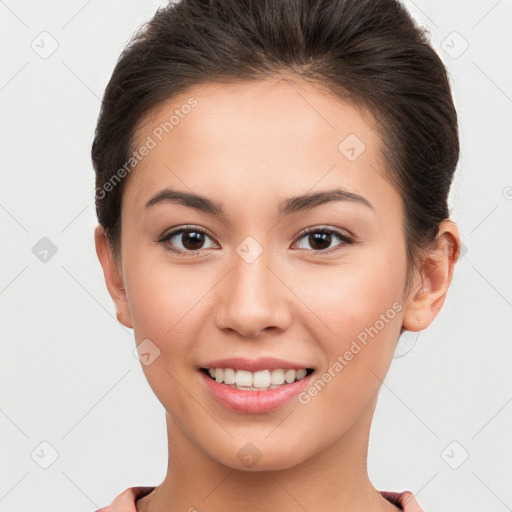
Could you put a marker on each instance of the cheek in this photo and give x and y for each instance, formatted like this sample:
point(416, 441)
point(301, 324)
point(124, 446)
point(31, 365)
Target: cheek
point(350, 297)
point(360, 315)
point(164, 298)
point(359, 310)
point(165, 304)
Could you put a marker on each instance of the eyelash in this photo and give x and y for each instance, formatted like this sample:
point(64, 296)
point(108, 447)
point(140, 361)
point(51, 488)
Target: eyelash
point(345, 240)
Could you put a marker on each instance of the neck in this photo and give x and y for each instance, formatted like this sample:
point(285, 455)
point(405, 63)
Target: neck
point(334, 478)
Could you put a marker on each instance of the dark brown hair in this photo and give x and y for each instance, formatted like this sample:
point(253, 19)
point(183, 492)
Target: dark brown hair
point(368, 52)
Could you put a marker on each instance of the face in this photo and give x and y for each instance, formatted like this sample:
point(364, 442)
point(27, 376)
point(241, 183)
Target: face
point(247, 272)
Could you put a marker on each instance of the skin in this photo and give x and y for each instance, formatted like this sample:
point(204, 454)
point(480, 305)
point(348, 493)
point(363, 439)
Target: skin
point(250, 146)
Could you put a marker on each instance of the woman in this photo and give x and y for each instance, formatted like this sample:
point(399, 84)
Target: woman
point(271, 189)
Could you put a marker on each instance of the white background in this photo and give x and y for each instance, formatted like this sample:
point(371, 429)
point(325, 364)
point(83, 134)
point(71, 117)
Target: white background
point(68, 373)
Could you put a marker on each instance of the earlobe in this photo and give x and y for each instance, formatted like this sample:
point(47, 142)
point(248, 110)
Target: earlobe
point(430, 288)
point(113, 279)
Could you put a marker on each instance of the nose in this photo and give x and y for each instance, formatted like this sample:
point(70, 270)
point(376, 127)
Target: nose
point(253, 299)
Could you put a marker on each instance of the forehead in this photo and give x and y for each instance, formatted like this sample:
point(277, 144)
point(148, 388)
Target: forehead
point(248, 136)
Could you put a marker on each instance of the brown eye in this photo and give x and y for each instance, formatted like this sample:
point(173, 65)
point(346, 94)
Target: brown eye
point(192, 240)
point(185, 240)
point(320, 239)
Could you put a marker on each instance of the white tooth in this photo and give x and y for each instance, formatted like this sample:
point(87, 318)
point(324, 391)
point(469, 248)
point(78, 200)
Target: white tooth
point(261, 379)
point(301, 374)
point(257, 381)
point(277, 377)
point(243, 378)
point(229, 376)
point(289, 376)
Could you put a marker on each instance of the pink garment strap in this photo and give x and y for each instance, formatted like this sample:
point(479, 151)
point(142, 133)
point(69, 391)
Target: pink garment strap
point(405, 500)
point(125, 502)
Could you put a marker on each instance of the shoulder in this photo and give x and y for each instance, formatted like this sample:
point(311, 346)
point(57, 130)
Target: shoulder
point(405, 500)
point(125, 502)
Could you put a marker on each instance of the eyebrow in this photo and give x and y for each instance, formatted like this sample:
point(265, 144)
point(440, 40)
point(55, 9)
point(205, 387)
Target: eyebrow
point(287, 207)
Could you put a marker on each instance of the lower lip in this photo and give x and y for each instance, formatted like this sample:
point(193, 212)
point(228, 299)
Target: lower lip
point(254, 401)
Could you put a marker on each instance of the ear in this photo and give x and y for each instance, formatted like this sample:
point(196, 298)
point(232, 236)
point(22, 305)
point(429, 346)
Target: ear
point(430, 285)
point(113, 278)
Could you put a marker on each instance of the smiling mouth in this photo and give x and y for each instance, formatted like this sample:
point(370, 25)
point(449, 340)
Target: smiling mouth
point(256, 381)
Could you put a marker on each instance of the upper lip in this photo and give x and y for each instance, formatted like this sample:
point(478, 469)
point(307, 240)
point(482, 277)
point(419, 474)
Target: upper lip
point(254, 365)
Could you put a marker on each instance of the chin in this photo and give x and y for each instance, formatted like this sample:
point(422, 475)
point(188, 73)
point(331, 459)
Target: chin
point(260, 454)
